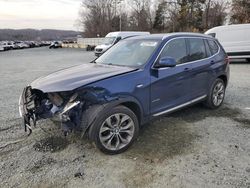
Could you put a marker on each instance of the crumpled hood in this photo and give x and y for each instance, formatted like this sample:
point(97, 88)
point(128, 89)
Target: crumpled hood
point(77, 76)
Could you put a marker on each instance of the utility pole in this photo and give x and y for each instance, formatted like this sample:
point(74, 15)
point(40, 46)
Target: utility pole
point(120, 17)
point(120, 22)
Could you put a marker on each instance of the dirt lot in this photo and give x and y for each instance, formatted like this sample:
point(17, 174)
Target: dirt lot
point(194, 147)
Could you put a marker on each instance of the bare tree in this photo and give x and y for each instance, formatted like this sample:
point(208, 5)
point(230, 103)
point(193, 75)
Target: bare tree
point(215, 13)
point(140, 16)
point(207, 12)
point(103, 16)
point(240, 11)
point(98, 17)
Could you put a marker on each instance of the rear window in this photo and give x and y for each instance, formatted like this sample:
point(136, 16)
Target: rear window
point(197, 49)
point(214, 48)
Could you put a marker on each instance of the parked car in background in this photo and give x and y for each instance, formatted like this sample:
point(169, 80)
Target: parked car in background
point(135, 81)
point(69, 41)
point(234, 38)
point(14, 45)
point(8, 45)
point(114, 37)
point(21, 45)
point(90, 47)
point(2, 47)
point(56, 44)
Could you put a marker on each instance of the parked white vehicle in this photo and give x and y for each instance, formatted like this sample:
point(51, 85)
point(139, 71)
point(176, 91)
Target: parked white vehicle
point(234, 38)
point(114, 37)
point(21, 45)
point(2, 47)
point(8, 45)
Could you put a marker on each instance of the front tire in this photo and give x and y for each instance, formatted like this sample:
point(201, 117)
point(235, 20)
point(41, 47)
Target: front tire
point(216, 94)
point(115, 130)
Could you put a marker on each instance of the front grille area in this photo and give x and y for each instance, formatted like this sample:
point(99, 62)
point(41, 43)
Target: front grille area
point(98, 50)
point(29, 99)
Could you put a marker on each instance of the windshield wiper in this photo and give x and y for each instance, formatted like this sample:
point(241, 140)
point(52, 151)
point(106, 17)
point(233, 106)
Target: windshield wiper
point(119, 65)
point(116, 65)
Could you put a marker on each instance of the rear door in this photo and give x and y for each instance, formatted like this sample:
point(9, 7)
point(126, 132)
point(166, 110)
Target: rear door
point(170, 86)
point(198, 57)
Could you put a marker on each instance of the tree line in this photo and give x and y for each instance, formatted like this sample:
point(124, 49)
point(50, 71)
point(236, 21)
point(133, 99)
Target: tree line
point(35, 35)
point(99, 17)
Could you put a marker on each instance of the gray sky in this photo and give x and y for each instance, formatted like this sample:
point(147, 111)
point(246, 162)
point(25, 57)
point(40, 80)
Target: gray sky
point(39, 14)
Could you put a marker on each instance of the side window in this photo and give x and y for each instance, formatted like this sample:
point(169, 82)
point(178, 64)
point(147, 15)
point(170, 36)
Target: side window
point(176, 49)
point(213, 46)
point(209, 53)
point(197, 49)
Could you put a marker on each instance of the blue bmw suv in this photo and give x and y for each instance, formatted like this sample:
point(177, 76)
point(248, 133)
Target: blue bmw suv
point(136, 80)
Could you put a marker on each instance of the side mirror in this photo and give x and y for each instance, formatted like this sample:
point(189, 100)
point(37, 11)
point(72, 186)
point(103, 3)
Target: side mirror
point(118, 39)
point(166, 62)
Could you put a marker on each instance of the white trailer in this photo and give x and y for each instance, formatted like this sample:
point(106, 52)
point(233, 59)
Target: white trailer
point(234, 38)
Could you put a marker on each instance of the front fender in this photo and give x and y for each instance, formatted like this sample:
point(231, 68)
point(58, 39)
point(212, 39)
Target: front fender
point(90, 114)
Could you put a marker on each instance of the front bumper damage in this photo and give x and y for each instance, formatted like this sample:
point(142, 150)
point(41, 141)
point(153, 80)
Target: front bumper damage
point(68, 108)
point(25, 101)
point(35, 105)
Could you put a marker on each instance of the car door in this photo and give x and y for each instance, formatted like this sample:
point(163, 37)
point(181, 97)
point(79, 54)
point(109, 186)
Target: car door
point(198, 56)
point(170, 86)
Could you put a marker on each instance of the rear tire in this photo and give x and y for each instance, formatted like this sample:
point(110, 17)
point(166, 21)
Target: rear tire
point(248, 60)
point(216, 94)
point(114, 130)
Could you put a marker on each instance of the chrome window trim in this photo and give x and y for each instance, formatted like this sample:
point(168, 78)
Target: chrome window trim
point(181, 105)
point(190, 62)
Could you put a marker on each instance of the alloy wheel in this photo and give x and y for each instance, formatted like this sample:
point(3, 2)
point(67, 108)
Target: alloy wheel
point(117, 131)
point(218, 93)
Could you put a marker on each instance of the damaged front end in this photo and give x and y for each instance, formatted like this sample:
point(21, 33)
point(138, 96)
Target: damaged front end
point(75, 110)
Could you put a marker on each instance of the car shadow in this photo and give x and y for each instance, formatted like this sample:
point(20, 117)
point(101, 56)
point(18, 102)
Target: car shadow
point(174, 134)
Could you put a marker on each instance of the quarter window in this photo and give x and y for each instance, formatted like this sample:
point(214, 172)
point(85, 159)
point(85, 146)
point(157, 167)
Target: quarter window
point(213, 46)
point(176, 49)
point(209, 53)
point(197, 49)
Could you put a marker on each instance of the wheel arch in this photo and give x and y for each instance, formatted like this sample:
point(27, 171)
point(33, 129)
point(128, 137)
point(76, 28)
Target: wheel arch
point(224, 78)
point(131, 103)
point(128, 101)
point(134, 107)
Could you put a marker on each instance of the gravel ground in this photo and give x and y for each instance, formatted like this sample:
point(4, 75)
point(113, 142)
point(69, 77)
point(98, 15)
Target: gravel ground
point(194, 147)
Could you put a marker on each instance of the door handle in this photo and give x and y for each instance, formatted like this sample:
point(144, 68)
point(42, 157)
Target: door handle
point(187, 69)
point(212, 62)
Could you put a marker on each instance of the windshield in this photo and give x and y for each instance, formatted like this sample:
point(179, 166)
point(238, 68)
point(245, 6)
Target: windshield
point(108, 40)
point(131, 53)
